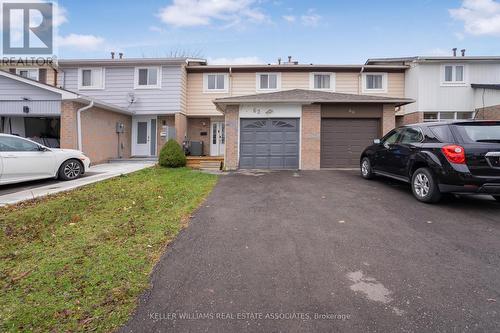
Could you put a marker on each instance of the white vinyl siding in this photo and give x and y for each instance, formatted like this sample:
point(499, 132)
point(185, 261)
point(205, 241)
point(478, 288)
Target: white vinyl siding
point(215, 82)
point(322, 81)
point(147, 78)
point(90, 78)
point(268, 81)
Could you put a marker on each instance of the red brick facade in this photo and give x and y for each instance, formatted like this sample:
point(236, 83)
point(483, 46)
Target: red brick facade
point(232, 125)
point(488, 113)
point(310, 150)
point(100, 142)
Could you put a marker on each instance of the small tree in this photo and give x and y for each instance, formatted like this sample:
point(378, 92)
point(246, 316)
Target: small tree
point(172, 155)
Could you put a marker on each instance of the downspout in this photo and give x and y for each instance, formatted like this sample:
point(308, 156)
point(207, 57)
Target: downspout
point(79, 123)
point(230, 81)
point(360, 80)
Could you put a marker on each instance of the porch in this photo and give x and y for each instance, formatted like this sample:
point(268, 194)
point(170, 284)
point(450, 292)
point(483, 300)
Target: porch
point(205, 162)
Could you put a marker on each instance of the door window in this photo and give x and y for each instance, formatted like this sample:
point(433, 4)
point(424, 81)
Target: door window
point(17, 144)
point(391, 138)
point(142, 132)
point(411, 135)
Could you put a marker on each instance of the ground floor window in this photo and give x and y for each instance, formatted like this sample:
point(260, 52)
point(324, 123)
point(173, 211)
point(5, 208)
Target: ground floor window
point(444, 116)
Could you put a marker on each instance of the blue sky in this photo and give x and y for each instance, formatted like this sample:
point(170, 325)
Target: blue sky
point(261, 31)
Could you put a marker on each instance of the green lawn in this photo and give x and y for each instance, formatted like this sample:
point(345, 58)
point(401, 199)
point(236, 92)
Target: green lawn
point(77, 261)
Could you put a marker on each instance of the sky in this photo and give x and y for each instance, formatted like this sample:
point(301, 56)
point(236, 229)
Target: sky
point(260, 31)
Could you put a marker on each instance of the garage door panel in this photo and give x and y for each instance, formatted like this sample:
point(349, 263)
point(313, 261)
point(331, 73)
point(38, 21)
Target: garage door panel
point(274, 143)
point(343, 140)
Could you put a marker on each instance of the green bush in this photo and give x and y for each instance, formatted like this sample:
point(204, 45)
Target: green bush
point(172, 155)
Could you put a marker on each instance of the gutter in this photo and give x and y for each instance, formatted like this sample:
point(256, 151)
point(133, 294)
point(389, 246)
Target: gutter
point(79, 123)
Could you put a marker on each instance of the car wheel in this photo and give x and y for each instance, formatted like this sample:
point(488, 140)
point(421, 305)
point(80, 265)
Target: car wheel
point(366, 168)
point(70, 169)
point(424, 186)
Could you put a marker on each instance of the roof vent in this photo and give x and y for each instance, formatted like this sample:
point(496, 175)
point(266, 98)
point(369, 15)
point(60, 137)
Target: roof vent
point(454, 51)
point(112, 55)
point(279, 61)
point(463, 52)
point(290, 62)
point(120, 55)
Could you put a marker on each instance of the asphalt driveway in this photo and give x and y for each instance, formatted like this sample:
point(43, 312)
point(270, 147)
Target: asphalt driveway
point(324, 252)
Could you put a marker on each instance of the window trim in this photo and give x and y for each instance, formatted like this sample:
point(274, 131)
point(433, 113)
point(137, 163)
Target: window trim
point(455, 114)
point(19, 69)
point(332, 81)
point(452, 83)
point(148, 86)
point(384, 83)
point(80, 76)
point(257, 81)
point(215, 91)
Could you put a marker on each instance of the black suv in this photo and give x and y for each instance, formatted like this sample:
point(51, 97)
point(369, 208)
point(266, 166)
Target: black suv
point(436, 158)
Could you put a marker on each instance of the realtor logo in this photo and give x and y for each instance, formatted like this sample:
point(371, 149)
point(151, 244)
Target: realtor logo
point(27, 28)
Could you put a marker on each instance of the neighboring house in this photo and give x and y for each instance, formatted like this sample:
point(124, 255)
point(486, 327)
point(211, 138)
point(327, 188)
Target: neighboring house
point(446, 88)
point(43, 73)
point(60, 118)
point(153, 90)
point(289, 115)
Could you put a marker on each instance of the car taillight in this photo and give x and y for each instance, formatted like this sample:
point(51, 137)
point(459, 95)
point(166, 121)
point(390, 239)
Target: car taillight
point(454, 153)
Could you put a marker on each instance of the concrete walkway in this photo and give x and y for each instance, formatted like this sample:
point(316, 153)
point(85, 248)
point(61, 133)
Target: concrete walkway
point(11, 194)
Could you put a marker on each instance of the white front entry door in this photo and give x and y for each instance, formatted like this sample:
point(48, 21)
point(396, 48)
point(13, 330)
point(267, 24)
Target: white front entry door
point(217, 138)
point(144, 136)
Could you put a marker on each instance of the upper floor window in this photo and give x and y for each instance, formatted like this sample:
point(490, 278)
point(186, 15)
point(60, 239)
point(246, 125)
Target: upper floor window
point(147, 77)
point(452, 75)
point(215, 82)
point(268, 81)
point(30, 73)
point(90, 78)
point(322, 81)
point(375, 82)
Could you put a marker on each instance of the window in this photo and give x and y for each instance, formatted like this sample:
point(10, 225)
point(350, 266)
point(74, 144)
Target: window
point(216, 82)
point(444, 116)
point(147, 77)
point(443, 133)
point(486, 132)
point(30, 73)
point(411, 135)
point(268, 81)
point(90, 78)
point(375, 82)
point(391, 138)
point(453, 75)
point(322, 81)
point(17, 144)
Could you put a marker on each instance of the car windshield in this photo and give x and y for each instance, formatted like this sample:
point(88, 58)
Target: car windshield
point(480, 132)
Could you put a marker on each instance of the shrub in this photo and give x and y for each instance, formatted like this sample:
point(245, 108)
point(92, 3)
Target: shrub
point(172, 155)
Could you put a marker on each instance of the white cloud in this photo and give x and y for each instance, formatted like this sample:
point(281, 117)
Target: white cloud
point(188, 13)
point(81, 42)
point(480, 17)
point(311, 19)
point(235, 61)
point(289, 18)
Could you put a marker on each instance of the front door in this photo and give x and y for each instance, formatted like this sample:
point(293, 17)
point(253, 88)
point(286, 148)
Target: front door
point(217, 138)
point(144, 136)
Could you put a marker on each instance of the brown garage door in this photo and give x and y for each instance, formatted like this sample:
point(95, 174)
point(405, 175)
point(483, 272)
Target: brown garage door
point(343, 140)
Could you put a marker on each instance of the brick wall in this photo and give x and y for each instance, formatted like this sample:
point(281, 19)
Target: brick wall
point(99, 137)
point(388, 118)
point(412, 118)
point(197, 126)
point(170, 122)
point(311, 137)
point(488, 113)
point(231, 120)
point(180, 127)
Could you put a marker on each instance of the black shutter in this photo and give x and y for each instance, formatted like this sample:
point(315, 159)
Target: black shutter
point(42, 75)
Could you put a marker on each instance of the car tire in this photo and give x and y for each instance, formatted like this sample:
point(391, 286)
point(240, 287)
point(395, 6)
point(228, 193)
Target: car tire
point(424, 186)
point(70, 170)
point(366, 168)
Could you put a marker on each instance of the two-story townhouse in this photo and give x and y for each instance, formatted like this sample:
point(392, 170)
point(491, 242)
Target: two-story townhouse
point(450, 87)
point(42, 71)
point(290, 115)
point(153, 90)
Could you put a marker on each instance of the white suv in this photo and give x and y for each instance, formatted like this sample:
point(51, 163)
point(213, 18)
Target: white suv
point(23, 160)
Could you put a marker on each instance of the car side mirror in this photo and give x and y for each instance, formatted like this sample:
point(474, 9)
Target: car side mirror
point(42, 148)
point(376, 141)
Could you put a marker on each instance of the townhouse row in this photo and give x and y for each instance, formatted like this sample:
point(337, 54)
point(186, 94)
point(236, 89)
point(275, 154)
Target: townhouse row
point(278, 116)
